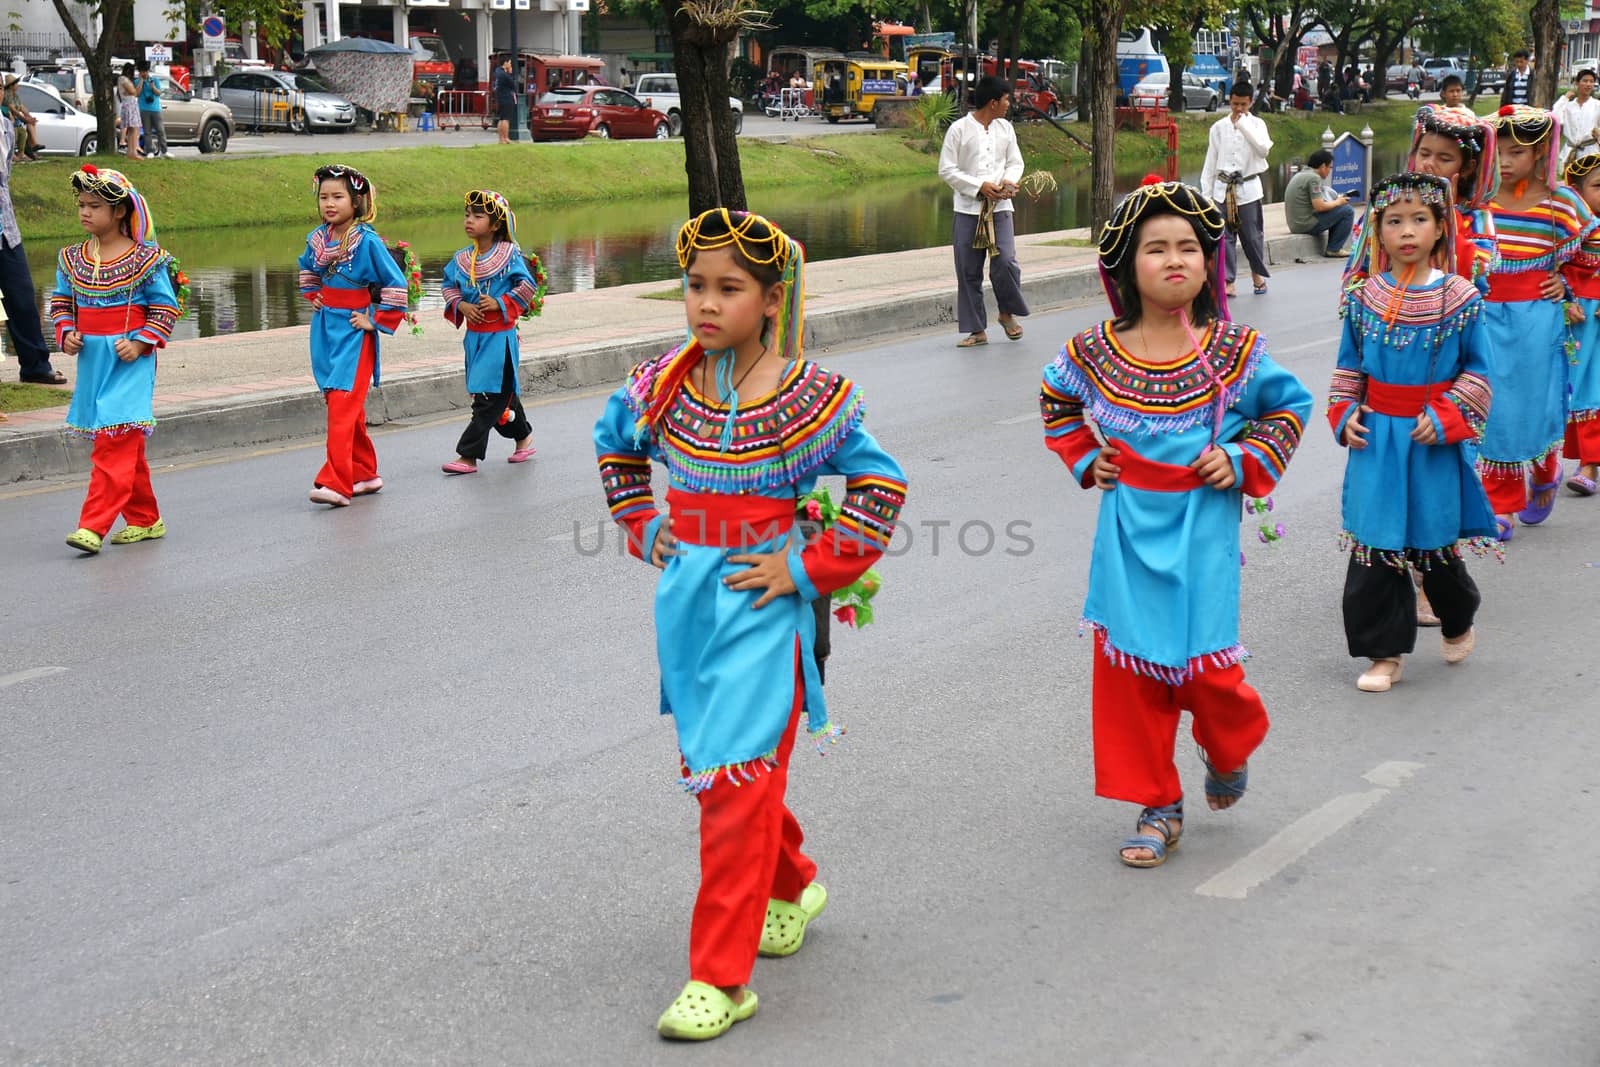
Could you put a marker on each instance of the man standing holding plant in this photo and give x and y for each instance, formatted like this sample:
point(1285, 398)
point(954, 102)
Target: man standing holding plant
point(981, 162)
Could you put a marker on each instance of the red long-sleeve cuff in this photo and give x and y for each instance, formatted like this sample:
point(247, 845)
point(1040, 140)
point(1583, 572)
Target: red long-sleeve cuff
point(1455, 426)
point(833, 562)
point(1077, 450)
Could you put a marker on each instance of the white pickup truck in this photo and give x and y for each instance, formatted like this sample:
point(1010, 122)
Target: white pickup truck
point(660, 91)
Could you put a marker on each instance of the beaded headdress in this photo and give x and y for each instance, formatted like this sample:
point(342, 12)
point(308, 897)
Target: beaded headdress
point(1474, 137)
point(761, 243)
point(1531, 126)
point(1581, 165)
point(496, 207)
point(1368, 258)
point(1157, 197)
point(113, 187)
point(358, 184)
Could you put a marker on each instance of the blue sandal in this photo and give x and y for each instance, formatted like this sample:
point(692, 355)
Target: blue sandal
point(1159, 820)
point(1533, 514)
point(1225, 787)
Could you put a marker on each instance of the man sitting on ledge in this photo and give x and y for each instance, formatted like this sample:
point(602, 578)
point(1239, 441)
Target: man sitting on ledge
point(1313, 207)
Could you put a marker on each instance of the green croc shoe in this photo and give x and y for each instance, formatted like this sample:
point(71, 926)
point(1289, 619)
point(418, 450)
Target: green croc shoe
point(85, 541)
point(785, 929)
point(703, 1012)
point(130, 534)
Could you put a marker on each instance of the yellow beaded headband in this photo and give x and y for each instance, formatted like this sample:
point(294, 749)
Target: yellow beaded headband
point(1157, 197)
point(1580, 167)
point(759, 241)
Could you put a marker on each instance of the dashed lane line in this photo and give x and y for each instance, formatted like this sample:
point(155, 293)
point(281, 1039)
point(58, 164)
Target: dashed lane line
point(1305, 833)
point(28, 675)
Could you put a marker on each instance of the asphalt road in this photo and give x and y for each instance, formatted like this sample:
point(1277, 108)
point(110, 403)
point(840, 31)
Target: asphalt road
point(386, 785)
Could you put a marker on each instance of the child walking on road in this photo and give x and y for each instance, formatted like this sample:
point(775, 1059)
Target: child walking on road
point(1410, 391)
point(357, 290)
point(1171, 411)
point(1582, 272)
point(744, 427)
point(114, 304)
point(489, 285)
point(1539, 225)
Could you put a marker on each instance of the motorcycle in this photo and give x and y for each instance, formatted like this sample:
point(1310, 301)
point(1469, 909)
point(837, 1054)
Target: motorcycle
point(1413, 90)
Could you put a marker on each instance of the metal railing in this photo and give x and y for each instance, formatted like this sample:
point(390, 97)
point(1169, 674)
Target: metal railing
point(457, 107)
point(274, 107)
point(791, 104)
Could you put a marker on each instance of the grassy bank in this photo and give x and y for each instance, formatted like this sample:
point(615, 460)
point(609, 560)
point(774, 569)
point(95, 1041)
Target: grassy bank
point(196, 194)
point(217, 194)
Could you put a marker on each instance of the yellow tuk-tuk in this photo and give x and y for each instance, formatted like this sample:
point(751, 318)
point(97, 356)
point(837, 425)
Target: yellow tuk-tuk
point(851, 86)
point(924, 62)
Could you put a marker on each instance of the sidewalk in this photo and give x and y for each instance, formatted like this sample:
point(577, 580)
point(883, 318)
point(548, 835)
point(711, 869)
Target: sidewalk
point(252, 388)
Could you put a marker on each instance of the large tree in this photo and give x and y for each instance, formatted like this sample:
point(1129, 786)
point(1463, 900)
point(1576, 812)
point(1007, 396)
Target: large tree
point(1105, 22)
point(702, 33)
point(1547, 41)
point(1280, 25)
point(1176, 22)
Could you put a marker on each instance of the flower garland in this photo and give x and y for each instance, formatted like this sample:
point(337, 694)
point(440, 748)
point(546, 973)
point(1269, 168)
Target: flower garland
point(180, 283)
point(854, 601)
point(412, 268)
point(541, 285)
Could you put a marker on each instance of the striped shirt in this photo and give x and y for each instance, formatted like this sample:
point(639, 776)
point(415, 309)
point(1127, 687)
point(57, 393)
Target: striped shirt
point(1544, 236)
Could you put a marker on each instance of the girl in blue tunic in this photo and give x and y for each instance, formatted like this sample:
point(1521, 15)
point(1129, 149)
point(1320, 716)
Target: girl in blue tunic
point(1583, 278)
point(1171, 424)
point(1411, 390)
point(113, 306)
point(489, 285)
point(744, 427)
point(357, 290)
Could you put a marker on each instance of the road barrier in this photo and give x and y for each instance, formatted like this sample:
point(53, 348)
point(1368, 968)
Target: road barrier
point(458, 107)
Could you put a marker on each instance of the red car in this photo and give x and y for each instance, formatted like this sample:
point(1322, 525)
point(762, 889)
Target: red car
point(575, 111)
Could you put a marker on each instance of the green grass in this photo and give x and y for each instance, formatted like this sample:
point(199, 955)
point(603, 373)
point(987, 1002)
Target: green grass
point(24, 396)
point(215, 194)
point(663, 294)
point(1071, 242)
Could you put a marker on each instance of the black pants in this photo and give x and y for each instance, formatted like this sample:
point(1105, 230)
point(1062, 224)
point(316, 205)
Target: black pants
point(1380, 605)
point(486, 411)
point(22, 312)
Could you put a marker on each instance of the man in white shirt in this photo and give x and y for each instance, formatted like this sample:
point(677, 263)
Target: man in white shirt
point(981, 162)
point(1236, 157)
point(1579, 115)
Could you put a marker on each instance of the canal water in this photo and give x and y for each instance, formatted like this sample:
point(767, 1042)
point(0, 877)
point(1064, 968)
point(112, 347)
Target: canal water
point(245, 279)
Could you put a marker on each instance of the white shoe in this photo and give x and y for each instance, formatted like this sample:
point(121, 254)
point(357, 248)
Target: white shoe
point(1381, 675)
point(321, 494)
point(371, 485)
point(1459, 649)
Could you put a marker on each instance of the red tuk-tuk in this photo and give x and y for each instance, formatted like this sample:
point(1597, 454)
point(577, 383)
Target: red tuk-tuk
point(1030, 89)
point(539, 72)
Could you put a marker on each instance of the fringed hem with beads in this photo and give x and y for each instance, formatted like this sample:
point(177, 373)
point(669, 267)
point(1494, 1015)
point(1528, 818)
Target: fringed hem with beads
point(748, 770)
point(89, 433)
point(1510, 468)
point(1221, 659)
point(1420, 558)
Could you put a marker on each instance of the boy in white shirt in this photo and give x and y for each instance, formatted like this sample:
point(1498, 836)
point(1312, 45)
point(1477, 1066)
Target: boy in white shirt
point(1236, 157)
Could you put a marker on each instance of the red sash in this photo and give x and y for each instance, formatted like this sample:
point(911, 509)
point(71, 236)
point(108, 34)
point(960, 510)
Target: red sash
point(347, 299)
point(725, 520)
point(110, 321)
point(1513, 288)
point(498, 324)
point(1401, 401)
point(1585, 285)
point(1141, 473)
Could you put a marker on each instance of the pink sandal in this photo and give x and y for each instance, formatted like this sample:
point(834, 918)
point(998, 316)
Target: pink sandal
point(521, 455)
point(455, 466)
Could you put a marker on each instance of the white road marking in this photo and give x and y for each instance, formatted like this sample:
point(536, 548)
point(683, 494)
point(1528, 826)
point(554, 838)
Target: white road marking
point(1305, 833)
point(1017, 420)
point(1276, 351)
point(29, 675)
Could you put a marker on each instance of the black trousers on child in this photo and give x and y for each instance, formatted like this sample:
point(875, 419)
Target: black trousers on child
point(1380, 605)
point(486, 411)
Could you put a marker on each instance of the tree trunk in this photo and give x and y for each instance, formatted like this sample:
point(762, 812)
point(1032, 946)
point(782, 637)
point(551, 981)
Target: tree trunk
point(1107, 23)
point(1546, 19)
point(97, 59)
point(1383, 48)
point(1086, 77)
point(1013, 42)
point(710, 149)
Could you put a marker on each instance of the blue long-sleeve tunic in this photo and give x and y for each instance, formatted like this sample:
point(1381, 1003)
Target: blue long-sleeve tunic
point(358, 261)
point(501, 273)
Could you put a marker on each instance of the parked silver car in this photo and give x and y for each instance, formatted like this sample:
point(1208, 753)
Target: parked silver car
point(290, 99)
point(1152, 90)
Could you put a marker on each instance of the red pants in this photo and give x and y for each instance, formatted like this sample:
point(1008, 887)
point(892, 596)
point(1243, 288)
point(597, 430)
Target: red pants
point(120, 484)
point(749, 853)
point(1583, 441)
point(351, 457)
point(1508, 493)
point(1136, 727)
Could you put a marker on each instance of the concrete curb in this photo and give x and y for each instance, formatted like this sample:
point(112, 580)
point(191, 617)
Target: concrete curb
point(265, 418)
